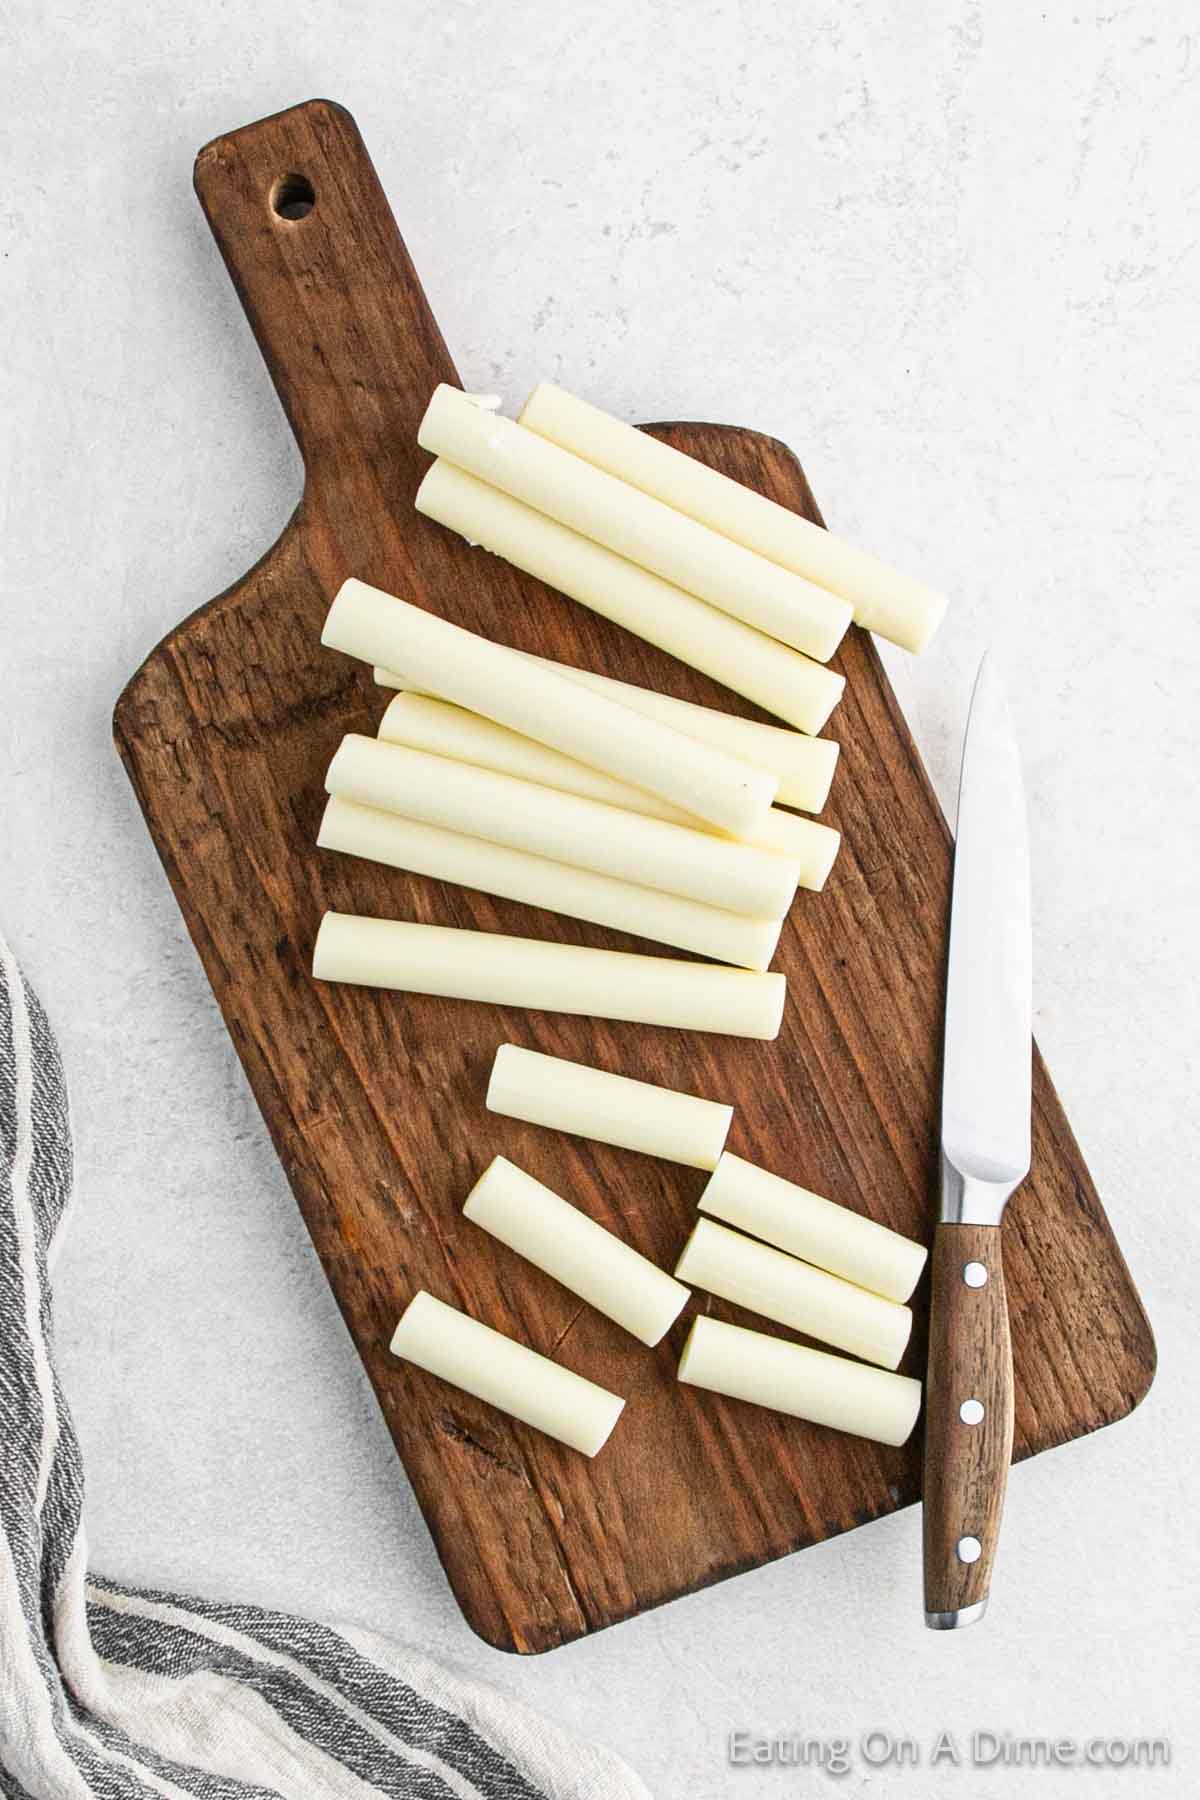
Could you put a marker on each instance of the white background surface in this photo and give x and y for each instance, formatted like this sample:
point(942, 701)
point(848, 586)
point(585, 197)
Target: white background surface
point(949, 252)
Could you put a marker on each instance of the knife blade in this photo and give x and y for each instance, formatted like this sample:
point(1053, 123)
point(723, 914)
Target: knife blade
point(986, 1112)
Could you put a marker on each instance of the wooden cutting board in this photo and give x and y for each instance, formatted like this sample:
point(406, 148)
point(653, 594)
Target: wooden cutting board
point(375, 1101)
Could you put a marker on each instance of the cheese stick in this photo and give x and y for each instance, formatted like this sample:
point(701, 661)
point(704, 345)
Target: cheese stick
point(808, 1384)
point(492, 680)
point(794, 1294)
point(806, 1225)
point(812, 846)
point(778, 679)
point(634, 525)
point(483, 1362)
point(423, 723)
point(582, 833)
point(804, 765)
point(548, 977)
point(384, 837)
point(612, 1109)
point(885, 601)
point(556, 1237)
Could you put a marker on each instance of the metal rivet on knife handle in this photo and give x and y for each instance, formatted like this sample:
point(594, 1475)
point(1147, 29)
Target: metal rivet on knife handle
point(975, 1274)
point(971, 1412)
point(969, 1549)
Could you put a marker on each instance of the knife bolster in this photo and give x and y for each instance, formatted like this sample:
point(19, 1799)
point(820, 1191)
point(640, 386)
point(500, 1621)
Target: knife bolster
point(973, 1199)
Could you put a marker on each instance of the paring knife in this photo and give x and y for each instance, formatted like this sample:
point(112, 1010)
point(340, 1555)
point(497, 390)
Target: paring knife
point(986, 1105)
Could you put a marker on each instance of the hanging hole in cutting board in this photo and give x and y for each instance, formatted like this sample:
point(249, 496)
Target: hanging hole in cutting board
point(293, 197)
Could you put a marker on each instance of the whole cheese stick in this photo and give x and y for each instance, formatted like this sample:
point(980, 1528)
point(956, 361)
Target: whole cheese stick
point(613, 1109)
point(780, 680)
point(548, 977)
point(809, 1384)
point(423, 723)
point(883, 600)
point(385, 837)
point(806, 1225)
point(633, 525)
point(483, 1362)
point(556, 1237)
point(582, 833)
point(492, 680)
point(793, 1294)
point(804, 765)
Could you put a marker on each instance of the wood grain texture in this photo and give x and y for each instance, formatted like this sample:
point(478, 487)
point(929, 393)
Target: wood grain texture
point(375, 1101)
point(966, 1465)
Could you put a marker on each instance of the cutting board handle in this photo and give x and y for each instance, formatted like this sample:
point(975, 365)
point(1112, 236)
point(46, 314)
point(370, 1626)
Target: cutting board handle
point(331, 293)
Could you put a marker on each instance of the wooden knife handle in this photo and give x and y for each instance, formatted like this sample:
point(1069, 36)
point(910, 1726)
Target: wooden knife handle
point(968, 1422)
point(330, 290)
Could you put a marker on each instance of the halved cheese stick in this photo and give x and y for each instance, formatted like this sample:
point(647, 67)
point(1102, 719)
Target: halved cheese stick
point(582, 833)
point(568, 978)
point(804, 765)
point(883, 600)
point(423, 723)
point(793, 1294)
point(778, 679)
point(483, 1362)
point(385, 837)
point(555, 1236)
point(492, 680)
point(808, 1384)
point(613, 1109)
point(806, 1225)
point(633, 525)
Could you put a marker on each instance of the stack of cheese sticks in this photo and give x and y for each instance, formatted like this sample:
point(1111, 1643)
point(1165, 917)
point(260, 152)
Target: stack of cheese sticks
point(563, 789)
point(696, 563)
point(521, 777)
point(796, 1259)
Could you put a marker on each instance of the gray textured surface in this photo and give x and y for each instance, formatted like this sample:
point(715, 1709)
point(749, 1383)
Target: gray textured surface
point(950, 254)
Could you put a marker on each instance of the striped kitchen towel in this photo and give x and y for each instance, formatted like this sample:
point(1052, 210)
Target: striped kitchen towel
point(115, 1691)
